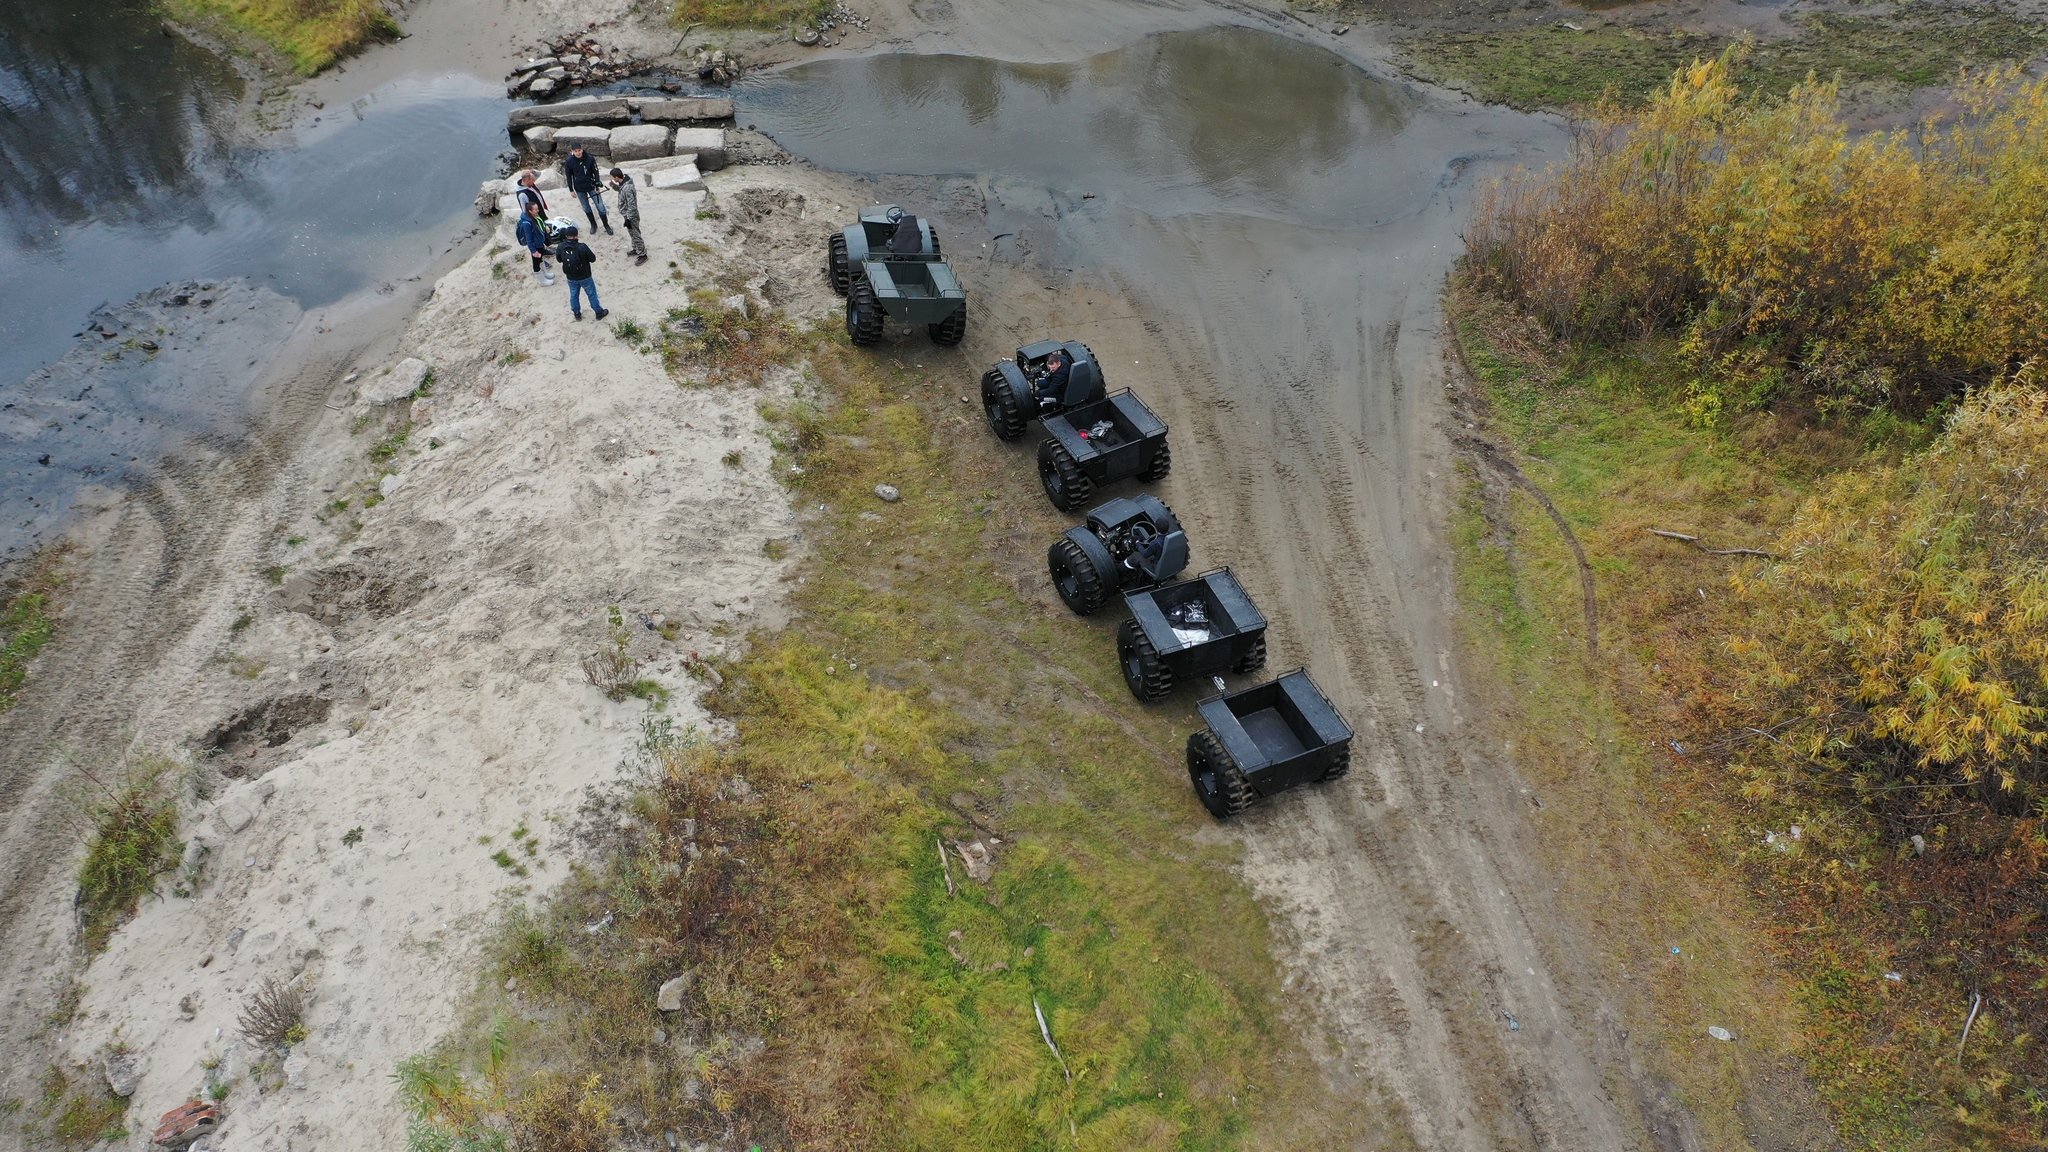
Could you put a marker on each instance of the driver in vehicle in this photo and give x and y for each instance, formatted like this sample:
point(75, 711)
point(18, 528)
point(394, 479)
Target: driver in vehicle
point(1147, 553)
point(1052, 380)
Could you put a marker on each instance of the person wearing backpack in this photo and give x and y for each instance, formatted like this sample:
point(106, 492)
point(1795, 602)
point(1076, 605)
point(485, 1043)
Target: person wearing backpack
point(534, 235)
point(576, 258)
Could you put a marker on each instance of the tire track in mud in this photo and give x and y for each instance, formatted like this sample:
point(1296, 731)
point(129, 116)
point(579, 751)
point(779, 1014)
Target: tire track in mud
point(1304, 442)
point(153, 568)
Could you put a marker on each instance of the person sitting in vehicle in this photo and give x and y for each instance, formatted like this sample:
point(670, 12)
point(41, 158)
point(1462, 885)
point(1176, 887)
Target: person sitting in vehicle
point(909, 238)
point(1052, 380)
point(1146, 555)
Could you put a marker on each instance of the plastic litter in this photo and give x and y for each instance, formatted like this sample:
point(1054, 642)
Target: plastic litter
point(1720, 1033)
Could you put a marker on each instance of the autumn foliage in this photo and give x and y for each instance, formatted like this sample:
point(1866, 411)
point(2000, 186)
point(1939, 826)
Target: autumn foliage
point(1890, 270)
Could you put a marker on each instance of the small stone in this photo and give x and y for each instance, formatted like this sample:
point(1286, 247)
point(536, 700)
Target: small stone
point(558, 354)
point(401, 381)
point(888, 493)
point(670, 997)
point(660, 1036)
point(808, 37)
point(1720, 1033)
point(511, 983)
point(295, 1066)
point(390, 485)
point(233, 816)
point(124, 1071)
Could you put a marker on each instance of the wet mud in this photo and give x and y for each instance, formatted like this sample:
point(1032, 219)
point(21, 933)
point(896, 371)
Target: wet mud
point(1252, 231)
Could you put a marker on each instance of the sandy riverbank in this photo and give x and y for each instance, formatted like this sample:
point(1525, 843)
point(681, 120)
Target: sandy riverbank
point(418, 679)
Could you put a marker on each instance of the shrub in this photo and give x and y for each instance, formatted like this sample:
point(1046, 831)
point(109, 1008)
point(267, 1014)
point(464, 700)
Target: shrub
point(275, 1014)
point(133, 819)
point(1900, 647)
point(1888, 269)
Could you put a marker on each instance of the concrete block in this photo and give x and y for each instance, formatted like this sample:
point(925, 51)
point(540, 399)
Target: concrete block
point(684, 109)
point(638, 142)
point(595, 140)
point(540, 139)
point(685, 177)
point(707, 143)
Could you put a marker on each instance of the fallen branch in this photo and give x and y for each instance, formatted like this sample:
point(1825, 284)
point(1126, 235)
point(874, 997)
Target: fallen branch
point(1976, 1002)
point(1695, 542)
point(1047, 1033)
point(946, 867)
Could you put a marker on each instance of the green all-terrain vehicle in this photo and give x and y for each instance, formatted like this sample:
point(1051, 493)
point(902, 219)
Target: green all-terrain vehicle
point(888, 266)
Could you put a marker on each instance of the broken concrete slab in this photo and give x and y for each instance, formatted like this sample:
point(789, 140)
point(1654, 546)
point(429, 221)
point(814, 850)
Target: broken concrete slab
point(595, 140)
point(540, 138)
point(639, 142)
point(686, 177)
point(707, 143)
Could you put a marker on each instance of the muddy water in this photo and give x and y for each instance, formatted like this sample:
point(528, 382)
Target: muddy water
point(1252, 231)
point(123, 169)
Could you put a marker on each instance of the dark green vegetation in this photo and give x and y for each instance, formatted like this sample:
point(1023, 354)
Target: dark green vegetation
point(1552, 66)
point(28, 617)
point(132, 816)
point(79, 1115)
point(842, 987)
point(749, 13)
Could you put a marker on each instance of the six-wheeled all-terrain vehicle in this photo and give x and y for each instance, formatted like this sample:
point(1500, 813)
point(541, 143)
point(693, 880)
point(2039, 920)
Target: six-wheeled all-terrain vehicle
point(1199, 627)
point(888, 266)
point(1126, 545)
point(1099, 443)
point(1011, 391)
point(1265, 739)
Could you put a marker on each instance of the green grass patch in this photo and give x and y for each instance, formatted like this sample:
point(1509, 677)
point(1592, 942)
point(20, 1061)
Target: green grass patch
point(386, 450)
point(749, 13)
point(81, 1116)
point(132, 817)
point(28, 617)
point(845, 988)
point(311, 34)
point(1551, 66)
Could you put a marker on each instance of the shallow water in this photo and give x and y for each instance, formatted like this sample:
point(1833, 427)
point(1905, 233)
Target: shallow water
point(121, 171)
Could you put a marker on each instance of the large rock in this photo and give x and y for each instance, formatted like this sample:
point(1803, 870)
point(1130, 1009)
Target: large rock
point(401, 381)
point(540, 138)
point(707, 143)
point(594, 139)
point(670, 997)
point(639, 142)
point(608, 110)
point(685, 110)
point(124, 1071)
point(684, 177)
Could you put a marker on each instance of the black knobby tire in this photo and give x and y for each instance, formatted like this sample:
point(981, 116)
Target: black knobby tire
point(1254, 657)
point(1074, 576)
point(950, 331)
point(1005, 418)
point(1339, 767)
point(1162, 463)
point(1218, 781)
point(1065, 484)
point(1148, 676)
point(836, 265)
point(863, 313)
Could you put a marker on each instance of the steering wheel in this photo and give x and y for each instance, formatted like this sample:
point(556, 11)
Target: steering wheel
point(1142, 533)
point(894, 215)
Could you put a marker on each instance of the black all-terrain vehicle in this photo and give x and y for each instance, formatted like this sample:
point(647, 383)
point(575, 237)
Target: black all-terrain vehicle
point(1264, 740)
point(1199, 627)
point(1126, 545)
point(1099, 443)
point(1008, 394)
point(888, 267)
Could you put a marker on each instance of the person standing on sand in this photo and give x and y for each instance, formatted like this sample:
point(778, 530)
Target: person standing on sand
point(580, 169)
point(629, 213)
point(576, 258)
point(534, 235)
point(529, 194)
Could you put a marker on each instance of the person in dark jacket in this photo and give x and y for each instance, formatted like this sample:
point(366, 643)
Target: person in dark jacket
point(534, 235)
point(580, 170)
point(1052, 385)
point(629, 213)
point(529, 194)
point(576, 258)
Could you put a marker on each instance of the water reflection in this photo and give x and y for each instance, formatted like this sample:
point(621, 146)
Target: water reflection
point(105, 117)
point(1192, 120)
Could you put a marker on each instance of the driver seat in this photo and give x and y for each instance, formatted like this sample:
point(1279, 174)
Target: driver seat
point(1173, 556)
point(1084, 380)
point(909, 238)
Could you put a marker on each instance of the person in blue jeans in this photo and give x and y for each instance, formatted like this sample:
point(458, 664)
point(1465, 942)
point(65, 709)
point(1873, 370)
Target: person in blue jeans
point(576, 258)
point(580, 170)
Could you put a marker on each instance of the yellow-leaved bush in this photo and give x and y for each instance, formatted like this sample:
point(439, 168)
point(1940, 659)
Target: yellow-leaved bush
point(1888, 270)
point(1899, 645)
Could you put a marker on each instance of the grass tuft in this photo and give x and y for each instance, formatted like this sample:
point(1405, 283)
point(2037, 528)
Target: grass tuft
point(28, 616)
point(312, 34)
point(133, 818)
